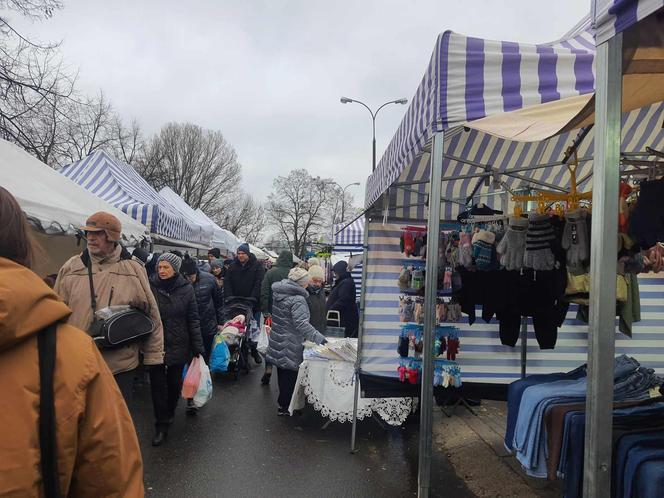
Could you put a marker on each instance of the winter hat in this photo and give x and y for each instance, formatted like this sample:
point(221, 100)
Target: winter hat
point(215, 263)
point(298, 275)
point(340, 268)
point(141, 254)
point(244, 247)
point(172, 259)
point(215, 252)
point(315, 271)
point(104, 222)
point(188, 267)
point(539, 237)
point(313, 262)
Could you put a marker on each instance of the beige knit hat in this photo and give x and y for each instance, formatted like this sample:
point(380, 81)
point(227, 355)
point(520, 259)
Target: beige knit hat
point(298, 275)
point(313, 262)
point(316, 271)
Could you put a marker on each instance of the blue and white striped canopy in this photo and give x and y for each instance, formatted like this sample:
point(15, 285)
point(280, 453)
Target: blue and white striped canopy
point(486, 95)
point(349, 235)
point(120, 185)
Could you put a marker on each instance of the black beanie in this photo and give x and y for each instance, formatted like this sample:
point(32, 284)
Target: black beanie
point(215, 252)
point(188, 267)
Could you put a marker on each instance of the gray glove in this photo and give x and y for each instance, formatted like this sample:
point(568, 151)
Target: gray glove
point(575, 241)
point(512, 246)
point(539, 237)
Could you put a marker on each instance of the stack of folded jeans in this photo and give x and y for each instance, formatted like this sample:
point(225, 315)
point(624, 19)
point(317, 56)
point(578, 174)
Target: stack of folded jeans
point(559, 397)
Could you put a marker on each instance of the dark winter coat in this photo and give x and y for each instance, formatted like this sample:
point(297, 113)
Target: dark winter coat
point(245, 280)
point(290, 325)
point(275, 274)
point(179, 315)
point(317, 308)
point(210, 303)
point(342, 299)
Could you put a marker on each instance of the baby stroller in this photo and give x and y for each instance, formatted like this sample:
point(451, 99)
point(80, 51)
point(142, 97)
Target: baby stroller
point(237, 342)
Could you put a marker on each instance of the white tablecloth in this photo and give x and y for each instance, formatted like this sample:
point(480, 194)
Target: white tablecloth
point(328, 386)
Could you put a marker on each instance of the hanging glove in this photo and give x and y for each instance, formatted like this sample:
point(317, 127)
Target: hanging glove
point(404, 279)
point(539, 237)
point(483, 245)
point(512, 246)
point(465, 254)
point(575, 241)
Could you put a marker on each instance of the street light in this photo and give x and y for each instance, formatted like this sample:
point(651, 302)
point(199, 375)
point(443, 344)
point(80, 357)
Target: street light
point(346, 100)
point(343, 198)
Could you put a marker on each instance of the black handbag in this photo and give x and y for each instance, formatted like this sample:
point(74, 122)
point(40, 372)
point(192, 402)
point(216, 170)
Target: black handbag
point(116, 326)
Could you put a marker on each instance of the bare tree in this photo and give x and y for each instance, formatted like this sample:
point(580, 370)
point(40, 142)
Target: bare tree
point(297, 206)
point(341, 205)
point(199, 165)
point(244, 217)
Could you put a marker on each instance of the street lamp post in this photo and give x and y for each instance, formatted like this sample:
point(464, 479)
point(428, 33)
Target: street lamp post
point(343, 199)
point(346, 100)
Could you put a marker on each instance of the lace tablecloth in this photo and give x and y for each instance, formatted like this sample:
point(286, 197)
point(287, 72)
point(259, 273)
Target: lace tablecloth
point(328, 386)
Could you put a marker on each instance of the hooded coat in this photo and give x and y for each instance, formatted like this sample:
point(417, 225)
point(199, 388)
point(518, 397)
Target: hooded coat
point(290, 325)
point(343, 299)
point(179, 314)
point(210, 302)
point(97, 449)
point(275, 274)
point(244, 280)
point(317, 309)
point(118, 279)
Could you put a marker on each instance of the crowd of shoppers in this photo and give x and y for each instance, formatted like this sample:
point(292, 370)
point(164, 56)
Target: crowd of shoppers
point(97, 449)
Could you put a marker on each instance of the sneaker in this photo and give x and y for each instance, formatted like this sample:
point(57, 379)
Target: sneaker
point(256, 356)
point(282, 411)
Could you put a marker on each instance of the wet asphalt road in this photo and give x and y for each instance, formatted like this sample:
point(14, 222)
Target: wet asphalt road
point(237, 446)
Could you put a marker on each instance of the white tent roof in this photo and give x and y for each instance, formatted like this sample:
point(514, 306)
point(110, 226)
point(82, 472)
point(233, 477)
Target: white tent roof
point(179, 203)
point(221, 237)
point(258, 253)
point(52, 200)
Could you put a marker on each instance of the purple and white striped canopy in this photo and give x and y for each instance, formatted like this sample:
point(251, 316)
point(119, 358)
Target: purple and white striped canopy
point(351, 235)
point(615, 16)
point(471, 78)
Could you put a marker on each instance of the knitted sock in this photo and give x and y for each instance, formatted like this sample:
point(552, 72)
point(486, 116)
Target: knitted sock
point(539, 237)
point(483, 249)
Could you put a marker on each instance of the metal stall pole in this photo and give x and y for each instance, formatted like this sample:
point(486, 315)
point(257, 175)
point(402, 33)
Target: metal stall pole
point(603, 266)
point(360, 333)
point(524, 345)
point(431, 280)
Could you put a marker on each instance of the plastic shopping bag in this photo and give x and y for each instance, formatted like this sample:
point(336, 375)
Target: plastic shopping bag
point(263, 339)
point(204, 392)
point(220, 355)
point(190, 384)
point(254, 331)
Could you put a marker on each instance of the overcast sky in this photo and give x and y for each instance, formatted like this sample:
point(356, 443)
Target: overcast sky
point(269, 73)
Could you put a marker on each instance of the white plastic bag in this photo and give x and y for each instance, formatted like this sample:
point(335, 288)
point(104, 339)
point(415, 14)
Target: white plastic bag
point(263, 339)
point(204, 392)
point(254, 330)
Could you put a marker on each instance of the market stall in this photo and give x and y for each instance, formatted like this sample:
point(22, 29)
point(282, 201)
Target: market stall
point(348, 247)
point(56, 207)
point(120, 185)
point(500, 118)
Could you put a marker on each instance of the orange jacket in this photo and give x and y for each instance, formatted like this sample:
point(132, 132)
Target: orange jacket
point(98, 452)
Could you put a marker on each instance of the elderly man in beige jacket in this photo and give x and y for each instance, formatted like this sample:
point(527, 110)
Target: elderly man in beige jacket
point(118, 279)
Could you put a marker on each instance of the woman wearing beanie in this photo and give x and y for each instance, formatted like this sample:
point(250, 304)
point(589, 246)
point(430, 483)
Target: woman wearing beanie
point(317, 297)
point(182, 339)
point(290, 328)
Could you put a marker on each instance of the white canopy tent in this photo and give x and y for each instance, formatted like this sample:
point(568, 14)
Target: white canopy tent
point(222, 238)
point(55, 205)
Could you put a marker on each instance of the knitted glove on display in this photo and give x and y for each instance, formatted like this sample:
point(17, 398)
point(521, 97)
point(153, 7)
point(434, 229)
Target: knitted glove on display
point(575, 241)
point(483, 249)
point(404, 279)
point(512, 247)
point(539, 236)
point(465, 250)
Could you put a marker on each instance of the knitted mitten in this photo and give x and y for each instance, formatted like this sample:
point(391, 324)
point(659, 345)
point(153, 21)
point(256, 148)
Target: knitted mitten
point(465, 250)
point(575, 241)
point(539, 237)
point(483, 249)
point(513, 244)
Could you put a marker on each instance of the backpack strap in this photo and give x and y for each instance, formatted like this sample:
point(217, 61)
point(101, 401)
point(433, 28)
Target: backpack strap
point(93, 297)
point(47, 443)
